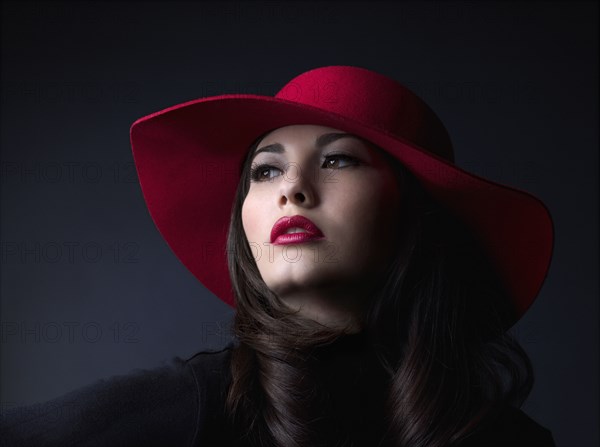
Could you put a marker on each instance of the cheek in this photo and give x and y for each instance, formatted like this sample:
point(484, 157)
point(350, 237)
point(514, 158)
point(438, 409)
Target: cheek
point(372, 210)
point(255, 219)
point(368, 202)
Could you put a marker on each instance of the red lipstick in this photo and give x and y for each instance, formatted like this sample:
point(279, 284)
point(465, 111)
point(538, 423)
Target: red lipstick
point(311, 231)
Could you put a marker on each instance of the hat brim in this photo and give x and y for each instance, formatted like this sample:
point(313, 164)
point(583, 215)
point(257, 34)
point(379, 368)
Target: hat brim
point(187, 158)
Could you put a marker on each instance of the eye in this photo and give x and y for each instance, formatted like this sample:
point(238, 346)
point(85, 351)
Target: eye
point(339, 157)
point(257, 174)
point(261, 173)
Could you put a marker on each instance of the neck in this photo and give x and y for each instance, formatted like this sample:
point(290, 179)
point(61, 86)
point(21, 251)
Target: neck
point(336, 309)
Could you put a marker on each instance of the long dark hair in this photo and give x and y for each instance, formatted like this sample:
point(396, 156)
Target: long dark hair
point(437, 326)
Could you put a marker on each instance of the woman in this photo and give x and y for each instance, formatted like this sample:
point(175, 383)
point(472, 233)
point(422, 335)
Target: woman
point(373, 280)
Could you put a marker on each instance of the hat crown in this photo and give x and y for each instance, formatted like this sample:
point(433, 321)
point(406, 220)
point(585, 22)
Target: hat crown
point(372, 99)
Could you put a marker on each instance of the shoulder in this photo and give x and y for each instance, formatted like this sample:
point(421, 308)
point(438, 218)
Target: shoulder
point(163, 405)
point(212, 376)
point(210, 370)
point(526, 430)
point(210, 361)
point(510, 426)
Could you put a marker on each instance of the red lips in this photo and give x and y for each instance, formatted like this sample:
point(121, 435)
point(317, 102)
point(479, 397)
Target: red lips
point(278, 235)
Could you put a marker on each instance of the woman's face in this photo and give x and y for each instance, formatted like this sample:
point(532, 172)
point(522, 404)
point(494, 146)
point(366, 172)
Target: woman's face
point(344, 186)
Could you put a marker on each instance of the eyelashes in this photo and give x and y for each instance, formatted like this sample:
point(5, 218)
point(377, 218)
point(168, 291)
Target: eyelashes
point(257, 173)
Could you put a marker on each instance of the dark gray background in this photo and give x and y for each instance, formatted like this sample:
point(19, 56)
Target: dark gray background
point(515, 84)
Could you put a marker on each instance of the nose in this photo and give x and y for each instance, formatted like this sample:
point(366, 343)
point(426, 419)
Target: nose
point(296, 187)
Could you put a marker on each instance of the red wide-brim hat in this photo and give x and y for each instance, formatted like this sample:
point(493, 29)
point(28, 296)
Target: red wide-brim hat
point(188, 159)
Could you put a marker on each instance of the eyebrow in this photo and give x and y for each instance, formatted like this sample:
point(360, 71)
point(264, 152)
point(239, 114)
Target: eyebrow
point(322, 141)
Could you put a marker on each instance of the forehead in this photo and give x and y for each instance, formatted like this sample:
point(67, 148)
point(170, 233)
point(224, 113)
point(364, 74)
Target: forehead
point(297, 131)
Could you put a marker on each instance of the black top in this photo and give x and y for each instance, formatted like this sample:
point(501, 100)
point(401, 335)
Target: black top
point(182, 404)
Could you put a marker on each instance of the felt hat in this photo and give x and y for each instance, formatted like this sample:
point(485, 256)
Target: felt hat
point(188, 158)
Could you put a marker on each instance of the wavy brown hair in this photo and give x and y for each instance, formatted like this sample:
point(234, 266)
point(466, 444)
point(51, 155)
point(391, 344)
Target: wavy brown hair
point(437, 327)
